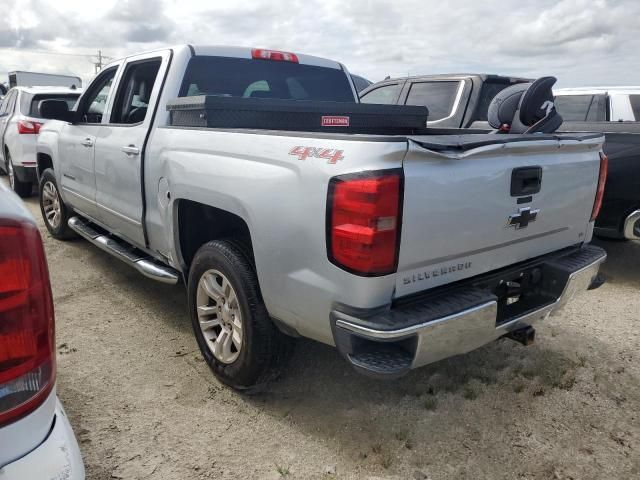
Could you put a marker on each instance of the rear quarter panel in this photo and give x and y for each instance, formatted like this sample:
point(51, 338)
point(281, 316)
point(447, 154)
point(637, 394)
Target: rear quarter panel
point(283, 201)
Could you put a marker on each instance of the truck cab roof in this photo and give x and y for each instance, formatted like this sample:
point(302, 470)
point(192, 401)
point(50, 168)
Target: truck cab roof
point(241, 52)
point(622, 90)
point(461, 76)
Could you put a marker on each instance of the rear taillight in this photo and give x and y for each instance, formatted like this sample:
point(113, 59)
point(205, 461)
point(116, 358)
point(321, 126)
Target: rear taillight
point(262, 54)
point(27, 358)
point(25, 127)
point(602, 180)
point(363, 222)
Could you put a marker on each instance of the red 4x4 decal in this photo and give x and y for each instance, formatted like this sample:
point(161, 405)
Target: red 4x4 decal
point(330, 154)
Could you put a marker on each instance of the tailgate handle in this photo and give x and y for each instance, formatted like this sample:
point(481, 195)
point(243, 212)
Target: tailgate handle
point(526, 181)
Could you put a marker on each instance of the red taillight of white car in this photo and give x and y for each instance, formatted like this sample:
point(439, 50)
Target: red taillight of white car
point(363, 222)
point(27, 355)
point(26, 127)
point(602, 180)
point(278, 56)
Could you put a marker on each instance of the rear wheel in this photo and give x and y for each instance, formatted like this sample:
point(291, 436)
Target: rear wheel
point(54, 212)
point(238, 340)
point(23, 189)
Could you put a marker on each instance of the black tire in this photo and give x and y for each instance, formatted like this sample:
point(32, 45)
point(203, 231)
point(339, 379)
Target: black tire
point(23, 189)
point(264, 347)
point(61, 231)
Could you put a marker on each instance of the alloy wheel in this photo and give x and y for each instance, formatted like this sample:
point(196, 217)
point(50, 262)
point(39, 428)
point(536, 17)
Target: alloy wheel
point(219, 316)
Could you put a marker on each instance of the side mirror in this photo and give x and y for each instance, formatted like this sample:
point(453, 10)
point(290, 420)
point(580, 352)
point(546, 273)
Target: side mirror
point(55, 110)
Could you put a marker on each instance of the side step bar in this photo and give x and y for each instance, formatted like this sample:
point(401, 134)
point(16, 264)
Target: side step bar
point(129, 254)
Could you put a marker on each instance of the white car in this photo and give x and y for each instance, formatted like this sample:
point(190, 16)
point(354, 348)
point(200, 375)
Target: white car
point(20, 122)
point(598, 104)
point(36, 439)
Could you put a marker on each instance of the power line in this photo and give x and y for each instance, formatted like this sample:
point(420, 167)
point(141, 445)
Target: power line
point(45, 52)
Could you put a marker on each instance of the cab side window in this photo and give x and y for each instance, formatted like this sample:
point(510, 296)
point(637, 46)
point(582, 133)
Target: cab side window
point(134, 92)
point(8, 103)
point(93, 105)
point(385, 95)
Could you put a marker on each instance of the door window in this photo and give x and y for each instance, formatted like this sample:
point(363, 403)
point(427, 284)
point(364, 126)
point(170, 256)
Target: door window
point(439, 97)
point(573, 108)
point(598, 109)
point(134, 93)
point(8, 103)
point(635, 106)
point(582, 108)
point(94, 103)
point(385, 95)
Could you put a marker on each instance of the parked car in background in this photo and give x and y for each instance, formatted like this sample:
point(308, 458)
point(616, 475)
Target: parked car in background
point(20, 122)
point(36, 440)
point(350, 224)
point(360, 82)
point(616, 112)
point(454, 100)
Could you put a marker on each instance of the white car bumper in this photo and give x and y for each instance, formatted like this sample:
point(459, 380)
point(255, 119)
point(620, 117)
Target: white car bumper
point(58, 456)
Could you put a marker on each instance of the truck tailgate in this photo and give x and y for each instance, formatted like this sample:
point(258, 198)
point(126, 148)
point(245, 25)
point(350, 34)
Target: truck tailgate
point(460, 218)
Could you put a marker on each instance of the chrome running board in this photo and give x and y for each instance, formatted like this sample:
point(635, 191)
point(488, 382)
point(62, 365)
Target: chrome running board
point(146, 265)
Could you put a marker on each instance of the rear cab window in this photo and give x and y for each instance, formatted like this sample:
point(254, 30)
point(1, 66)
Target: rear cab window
point(29, 103)
point(255, 78)
point(439, 97)
point(490, 88)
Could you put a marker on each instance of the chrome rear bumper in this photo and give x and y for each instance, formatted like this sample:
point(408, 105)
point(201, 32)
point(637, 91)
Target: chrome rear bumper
point(373, 346)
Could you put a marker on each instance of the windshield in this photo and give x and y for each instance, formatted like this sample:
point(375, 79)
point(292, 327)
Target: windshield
point(249, 78)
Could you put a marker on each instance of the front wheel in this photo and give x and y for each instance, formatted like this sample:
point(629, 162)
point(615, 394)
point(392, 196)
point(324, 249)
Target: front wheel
point(234, 332)
point(23, 189)
point(54, 212)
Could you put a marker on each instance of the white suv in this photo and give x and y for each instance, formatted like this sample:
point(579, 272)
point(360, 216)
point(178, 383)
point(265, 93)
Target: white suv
point(20, 122)
point(36, 440)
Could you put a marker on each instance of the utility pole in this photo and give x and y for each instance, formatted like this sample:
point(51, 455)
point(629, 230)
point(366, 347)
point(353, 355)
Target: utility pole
point(100, 60)
point(98, 64)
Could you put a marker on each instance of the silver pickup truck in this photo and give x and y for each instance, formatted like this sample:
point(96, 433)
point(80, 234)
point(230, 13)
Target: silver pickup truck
point(399, 246)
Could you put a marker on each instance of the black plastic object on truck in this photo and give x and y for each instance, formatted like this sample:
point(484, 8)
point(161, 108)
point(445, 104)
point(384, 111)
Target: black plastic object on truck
point(296, 115)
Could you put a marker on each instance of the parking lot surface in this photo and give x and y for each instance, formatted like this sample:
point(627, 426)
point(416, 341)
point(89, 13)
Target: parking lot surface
point(144, 405)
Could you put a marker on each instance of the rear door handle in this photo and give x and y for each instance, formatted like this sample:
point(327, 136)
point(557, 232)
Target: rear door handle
point(87, 142)
point(131, 150)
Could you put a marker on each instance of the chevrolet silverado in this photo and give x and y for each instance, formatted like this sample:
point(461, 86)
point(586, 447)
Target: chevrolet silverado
point(290, 209)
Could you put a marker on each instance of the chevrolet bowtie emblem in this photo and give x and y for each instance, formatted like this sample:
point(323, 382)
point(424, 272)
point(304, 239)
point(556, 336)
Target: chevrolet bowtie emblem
point(523, 218)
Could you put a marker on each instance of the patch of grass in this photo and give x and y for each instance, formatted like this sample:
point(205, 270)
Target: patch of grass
point(538, 392)
point(282, 470)
point(529, 372)
point(582, 360)
point(386, 460)
point(518, 387)
point(401, 435)
point(470, 393)
point(430, 403)
point(376, 448)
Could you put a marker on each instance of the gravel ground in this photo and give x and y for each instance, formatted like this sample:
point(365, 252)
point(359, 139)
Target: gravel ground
point(144, 405)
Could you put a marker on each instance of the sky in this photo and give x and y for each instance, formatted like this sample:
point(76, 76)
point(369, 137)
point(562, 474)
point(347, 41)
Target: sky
point(582, 42)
